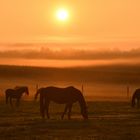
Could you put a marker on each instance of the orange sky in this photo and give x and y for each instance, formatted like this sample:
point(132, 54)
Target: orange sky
point(90, 20)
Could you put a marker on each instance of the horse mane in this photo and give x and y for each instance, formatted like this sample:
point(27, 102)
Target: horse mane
point(83, 105)
point(82, 100)
point(18, 87)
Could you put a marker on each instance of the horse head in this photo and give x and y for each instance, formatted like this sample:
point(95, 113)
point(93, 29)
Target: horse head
point(26, 90)
point(84, 112)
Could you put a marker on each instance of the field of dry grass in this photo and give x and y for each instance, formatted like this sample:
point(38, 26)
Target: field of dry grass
point(107, 121)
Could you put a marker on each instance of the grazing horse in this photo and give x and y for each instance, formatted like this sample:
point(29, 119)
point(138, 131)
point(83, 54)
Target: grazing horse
point(68, 96)
point(15, 93)
point(136, 98)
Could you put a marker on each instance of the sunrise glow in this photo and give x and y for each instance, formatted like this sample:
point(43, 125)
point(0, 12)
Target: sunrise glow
point(62, 15)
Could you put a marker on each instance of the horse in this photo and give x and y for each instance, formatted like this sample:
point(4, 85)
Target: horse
point(67, 96)
point(136, 96)
point(15, 93)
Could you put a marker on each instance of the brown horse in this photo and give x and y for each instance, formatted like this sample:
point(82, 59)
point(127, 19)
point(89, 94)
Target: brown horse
point(15, 93)
point(136, 98)
point(68, 96)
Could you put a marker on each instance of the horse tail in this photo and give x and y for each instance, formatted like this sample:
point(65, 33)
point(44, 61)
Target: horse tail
point(7, 96)
point(133, 102)
point(42, 106)
point(36, 95)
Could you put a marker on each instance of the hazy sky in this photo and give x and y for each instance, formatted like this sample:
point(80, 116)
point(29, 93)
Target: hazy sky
point(96, 30)
point(89, 20)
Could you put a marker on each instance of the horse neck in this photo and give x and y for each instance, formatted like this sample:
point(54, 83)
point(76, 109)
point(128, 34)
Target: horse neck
point(21, 91)
point(82, 102)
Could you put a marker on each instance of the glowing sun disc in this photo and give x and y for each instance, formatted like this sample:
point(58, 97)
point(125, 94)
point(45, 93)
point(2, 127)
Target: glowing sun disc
point(62, 14)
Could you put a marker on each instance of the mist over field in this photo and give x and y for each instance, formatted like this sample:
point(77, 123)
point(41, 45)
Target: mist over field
point(70, 54)
point(104, 69)
point(72, 51)
point(98, 81)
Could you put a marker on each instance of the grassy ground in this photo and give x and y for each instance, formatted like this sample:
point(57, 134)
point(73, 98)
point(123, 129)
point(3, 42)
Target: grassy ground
point(107, 121)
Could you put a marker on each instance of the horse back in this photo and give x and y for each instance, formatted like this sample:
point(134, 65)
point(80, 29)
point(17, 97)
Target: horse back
point(9, 91)
point(62, 95)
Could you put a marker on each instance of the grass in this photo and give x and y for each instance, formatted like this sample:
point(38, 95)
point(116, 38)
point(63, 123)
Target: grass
point(107, 121)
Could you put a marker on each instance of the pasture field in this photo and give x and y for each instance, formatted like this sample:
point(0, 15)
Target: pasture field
point(108, 120)
point(110, 114)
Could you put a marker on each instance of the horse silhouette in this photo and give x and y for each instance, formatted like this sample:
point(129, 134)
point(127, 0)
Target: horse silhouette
point(15, 93)
point(68, 96)
point(136, 98)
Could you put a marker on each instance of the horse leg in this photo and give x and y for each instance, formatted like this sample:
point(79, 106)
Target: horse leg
point(65, 110)
point(18, 102)
point(11, 102)
point(47, 108)
point(69, 112)
point(42, 108)
point(7, 98)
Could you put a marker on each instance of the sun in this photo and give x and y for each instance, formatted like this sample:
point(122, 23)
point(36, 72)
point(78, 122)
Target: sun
point(62, 15)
